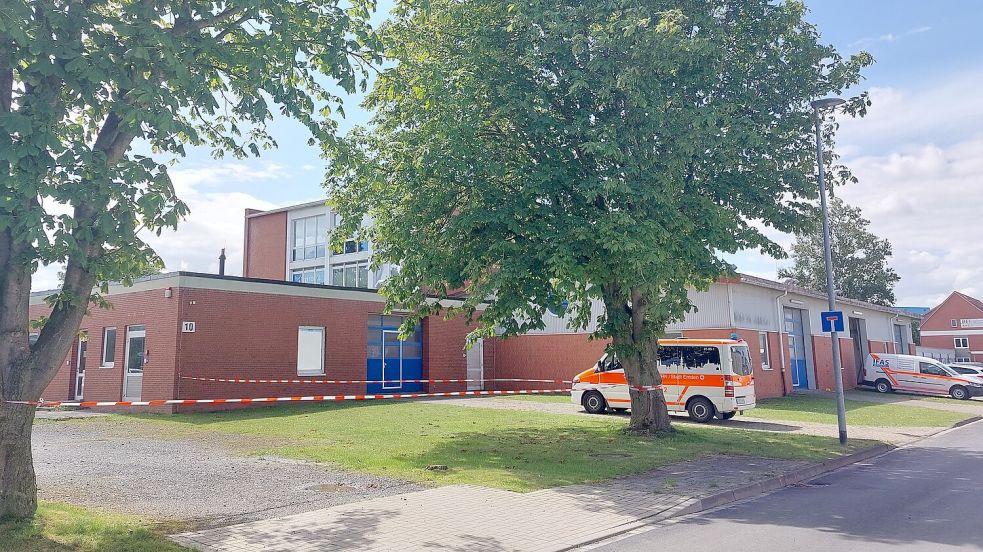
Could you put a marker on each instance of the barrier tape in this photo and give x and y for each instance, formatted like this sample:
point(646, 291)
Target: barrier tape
point(253, 380)
point(308, 398)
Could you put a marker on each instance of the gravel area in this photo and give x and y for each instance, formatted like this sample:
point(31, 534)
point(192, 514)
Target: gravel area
point(110, 464)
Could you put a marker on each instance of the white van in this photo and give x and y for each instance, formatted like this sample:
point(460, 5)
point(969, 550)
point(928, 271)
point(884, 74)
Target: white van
point(918, 374)
point(704, 377)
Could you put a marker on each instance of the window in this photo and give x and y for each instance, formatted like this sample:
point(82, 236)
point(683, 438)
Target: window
point(670, 356)
point(354, 274)
point(310, 238)
point(308, 275)
point(932, 369)
point(699, 357)
point(763, 351)
point(108, 347)
point(310, 351)
point(953, 323)
point(964, 370)
point(741, 360)
point(961, 342)
point(352, 246)
point(963, 359)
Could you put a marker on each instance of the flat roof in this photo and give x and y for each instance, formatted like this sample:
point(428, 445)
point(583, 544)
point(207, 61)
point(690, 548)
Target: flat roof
point(317, 203)
point(799, 290)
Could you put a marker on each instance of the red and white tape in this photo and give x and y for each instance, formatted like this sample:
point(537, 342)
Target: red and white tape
point(328, 381)
point(308, 398)
point(646, 387)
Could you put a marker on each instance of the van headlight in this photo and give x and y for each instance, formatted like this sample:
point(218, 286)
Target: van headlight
point(576, 379)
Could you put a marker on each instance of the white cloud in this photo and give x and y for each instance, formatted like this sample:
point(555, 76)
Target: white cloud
point(215, 220)
point(890, 37)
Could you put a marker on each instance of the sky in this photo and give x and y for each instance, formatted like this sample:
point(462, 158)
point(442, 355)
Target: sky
point(918, 155)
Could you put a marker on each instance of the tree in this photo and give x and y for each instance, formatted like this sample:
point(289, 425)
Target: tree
point(85, 83)
point(533, 153)
point(860, 259)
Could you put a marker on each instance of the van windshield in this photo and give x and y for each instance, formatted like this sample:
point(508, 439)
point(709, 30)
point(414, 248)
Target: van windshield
point(741, 360)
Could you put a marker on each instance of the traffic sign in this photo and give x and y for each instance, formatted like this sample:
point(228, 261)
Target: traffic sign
point(832, 321)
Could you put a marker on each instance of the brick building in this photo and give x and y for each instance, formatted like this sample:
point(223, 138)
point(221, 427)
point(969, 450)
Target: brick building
point(955, 325)
point(169, 328)
point(303, 310)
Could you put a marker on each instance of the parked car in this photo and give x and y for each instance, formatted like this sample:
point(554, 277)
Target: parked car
point(967, 368)
point(916, 374)
point(703, 377)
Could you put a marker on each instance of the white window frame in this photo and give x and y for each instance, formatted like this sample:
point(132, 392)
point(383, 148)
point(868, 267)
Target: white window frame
point(954, 323)
point(102, 356)
point(301, 330)
point(329, 276)
point(964, 359)
point(310, 270)
point(320, 238)
point(957, 340)
point(765, 352)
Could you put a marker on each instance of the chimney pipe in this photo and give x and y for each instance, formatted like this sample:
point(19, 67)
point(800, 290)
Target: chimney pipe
point(221, 263)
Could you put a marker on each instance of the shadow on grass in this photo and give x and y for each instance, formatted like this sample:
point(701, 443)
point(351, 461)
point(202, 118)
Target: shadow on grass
point(61, 527)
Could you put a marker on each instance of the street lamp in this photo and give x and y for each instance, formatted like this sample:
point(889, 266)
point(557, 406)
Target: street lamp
point(818, 106)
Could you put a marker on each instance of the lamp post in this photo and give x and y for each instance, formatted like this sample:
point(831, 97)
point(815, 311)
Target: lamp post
point(818, 106)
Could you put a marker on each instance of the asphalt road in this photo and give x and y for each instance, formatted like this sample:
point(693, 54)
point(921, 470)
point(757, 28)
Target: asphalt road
point(927, 497)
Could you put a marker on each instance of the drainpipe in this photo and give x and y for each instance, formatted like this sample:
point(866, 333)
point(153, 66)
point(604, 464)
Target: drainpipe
point(221, 263)
point(781, 342)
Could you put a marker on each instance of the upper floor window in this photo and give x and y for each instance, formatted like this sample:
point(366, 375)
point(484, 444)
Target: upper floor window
point(350, 274)
point(310, 238)
point(308, 275)
point(352, 246)
point(961, 342)
point(953, 323)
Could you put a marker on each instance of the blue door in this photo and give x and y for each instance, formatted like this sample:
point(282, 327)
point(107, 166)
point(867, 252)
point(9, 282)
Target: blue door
point(794, 328)
point(391, 361)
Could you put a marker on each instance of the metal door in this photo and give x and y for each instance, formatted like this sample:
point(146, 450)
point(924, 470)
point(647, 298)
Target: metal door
point(794, 329)
point(858, 333)
point(134, 360)
point(392, 360)
point(476, 366)
point(80, 368)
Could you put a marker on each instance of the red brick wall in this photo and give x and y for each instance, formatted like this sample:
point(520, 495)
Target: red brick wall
point(822, 352)
point(955, 307)
point(149, 308)
point(265, 251)
point(444, 354)
point(560, 357)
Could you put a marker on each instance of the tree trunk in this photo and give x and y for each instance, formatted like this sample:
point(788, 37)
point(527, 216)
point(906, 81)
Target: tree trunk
point(649, 413)
point(18, 486)
point(636, 342)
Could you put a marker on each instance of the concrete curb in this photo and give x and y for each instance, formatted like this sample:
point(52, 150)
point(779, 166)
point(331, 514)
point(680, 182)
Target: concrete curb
point(781, 481)
point(692, 506)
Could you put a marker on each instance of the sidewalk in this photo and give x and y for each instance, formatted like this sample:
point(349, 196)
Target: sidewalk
point(477, 519)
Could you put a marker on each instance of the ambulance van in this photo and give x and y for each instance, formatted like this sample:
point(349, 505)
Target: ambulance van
point(916, 374)
point(703, 377)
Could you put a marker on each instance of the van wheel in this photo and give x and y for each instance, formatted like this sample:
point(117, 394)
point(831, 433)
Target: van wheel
point(701, 410)
point(594, 402)
point(959, 392)
point(726, 415)
point(883, 386)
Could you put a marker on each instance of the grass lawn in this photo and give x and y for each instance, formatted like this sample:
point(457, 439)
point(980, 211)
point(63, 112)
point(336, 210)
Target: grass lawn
point(565, 398)
point(517, 450)
point(62, 527)
point(822, 410)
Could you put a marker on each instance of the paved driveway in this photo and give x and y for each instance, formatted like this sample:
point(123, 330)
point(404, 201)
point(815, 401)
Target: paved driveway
point(112, 464)
point(923, 497)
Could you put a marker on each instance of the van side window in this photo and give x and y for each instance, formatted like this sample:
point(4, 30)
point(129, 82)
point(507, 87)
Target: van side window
point(669, 356)
point(933, 369)
point(698, 357)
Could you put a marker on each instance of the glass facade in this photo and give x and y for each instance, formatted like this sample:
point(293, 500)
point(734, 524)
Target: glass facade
point(310, 235)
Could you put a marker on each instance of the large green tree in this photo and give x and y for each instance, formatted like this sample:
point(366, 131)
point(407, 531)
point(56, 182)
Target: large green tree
point(82, 82)
point(531, 153)
point(860, 258)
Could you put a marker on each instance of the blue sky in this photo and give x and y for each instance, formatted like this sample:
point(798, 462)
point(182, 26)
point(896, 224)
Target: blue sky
point(919, 153)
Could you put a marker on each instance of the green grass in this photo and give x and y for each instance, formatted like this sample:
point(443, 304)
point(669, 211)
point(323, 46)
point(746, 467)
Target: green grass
point(59, 527)
point(565, 399)
point(822, 410)
point(516, 450)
